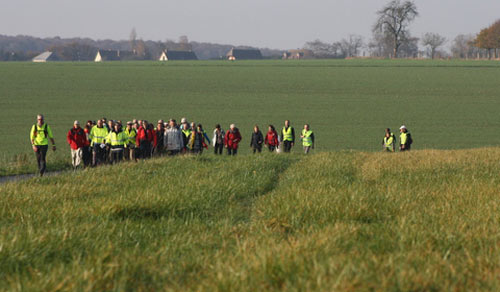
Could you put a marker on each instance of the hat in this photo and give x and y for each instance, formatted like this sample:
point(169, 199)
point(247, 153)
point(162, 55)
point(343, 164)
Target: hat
point(160, 121)
point(232, 126)
point(129, 123)
point(183, 120)
point(402, 127)
point(76, 123)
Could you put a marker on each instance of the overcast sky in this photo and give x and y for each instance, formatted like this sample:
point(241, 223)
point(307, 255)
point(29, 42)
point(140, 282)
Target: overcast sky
point(280, 24)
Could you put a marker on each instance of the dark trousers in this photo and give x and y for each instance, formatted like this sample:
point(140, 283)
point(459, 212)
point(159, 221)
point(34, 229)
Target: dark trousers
point(257, 149)
point(98, 155)
point(271, 148)
point(41, 154)
point(218, 148)
point(231, 151)
point(172, 152)
point(86, 156)
point(145, 149)
point(288, 146)
point(116, 156)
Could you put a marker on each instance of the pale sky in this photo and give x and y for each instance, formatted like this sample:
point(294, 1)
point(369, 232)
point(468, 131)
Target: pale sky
point(279, 24)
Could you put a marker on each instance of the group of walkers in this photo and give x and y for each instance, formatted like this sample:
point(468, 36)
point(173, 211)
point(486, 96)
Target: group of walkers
point(405, 140)
point(108, 142)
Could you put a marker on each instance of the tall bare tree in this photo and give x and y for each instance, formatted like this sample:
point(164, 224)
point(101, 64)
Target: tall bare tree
point(393, 20)
point(433, 41)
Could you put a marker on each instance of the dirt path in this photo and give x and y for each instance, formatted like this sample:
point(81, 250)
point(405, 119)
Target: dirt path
point(12, 178)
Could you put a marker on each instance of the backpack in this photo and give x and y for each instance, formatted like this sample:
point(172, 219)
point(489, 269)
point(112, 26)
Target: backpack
point(409, 139)
point(35, 133)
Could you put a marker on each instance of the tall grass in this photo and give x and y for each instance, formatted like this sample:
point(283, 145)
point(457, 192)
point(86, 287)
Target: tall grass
point(340, 221)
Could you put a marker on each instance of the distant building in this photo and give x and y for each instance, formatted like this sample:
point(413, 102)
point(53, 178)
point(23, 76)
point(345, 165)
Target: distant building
point(46, 57)
point(113, 55)
point(243, 54)
point(298, 54)
point(170, 55)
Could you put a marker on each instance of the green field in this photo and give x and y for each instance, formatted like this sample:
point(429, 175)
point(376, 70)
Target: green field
point(339, 221)
point(445, 104)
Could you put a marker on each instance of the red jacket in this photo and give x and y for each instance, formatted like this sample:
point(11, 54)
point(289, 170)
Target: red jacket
point(232, 139)
point(76, 138)
point(271, 138)
point(143, 134)
point(87, 132)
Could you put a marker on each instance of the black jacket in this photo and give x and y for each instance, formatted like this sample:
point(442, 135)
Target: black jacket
point(257, 140)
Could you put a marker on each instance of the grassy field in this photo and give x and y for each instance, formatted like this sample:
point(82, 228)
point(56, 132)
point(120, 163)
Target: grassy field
point(445, 104)
point(341, 221)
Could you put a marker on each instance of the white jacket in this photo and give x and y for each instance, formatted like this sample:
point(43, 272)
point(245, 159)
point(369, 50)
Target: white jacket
point(214, 139)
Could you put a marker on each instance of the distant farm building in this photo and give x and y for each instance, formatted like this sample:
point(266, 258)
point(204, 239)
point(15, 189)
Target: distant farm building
point(243, 54)
point(113, 55)
point(170, 55)
point(298, 54)
point(46, 57)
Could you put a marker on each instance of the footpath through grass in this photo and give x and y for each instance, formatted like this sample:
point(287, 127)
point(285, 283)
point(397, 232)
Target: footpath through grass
point(343, 221)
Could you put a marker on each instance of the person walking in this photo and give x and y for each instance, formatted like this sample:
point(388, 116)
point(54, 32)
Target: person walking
point(196, 140)
point(389, 141)
point(160, 133)
point(271, 139)
point(77, 139)
point(232, 139)
point(86, 151)
point(307, 139)
point(144, 140)
point(186, 131)
point(116, 141)
point(405, 139)
point(218, 139)
point(173, 139)
point(40, 135)
point(98, 135)
point(257, 140)
point(288, 133)
point(129, 151)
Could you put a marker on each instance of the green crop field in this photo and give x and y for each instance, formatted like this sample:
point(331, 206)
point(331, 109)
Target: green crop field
point(445, 104)
point(334, 221)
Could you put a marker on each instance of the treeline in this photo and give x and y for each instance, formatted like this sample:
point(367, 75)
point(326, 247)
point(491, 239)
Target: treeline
point(392, 38)
point(488, 39)
point(24, 48)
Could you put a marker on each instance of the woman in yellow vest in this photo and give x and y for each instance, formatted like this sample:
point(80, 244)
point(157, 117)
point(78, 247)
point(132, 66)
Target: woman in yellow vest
point(389, 142)
point(307, 139)
point(117, 140)
point(288, 137)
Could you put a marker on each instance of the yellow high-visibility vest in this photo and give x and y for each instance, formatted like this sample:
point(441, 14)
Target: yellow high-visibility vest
point(307, 140)
point(389, 142)
point(287, 134)
point(117, 139)
point(98, 135)
point(403, 137)
point(131, 135)
point(38, 135)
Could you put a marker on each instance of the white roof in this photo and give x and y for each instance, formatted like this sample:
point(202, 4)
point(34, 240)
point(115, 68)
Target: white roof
point(43, 56)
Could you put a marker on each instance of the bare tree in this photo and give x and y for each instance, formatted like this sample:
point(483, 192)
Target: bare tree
point(433, 41)
point(350, 47)
point(393, 20)
point(133, 39)
point(463, 47)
